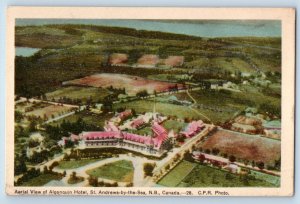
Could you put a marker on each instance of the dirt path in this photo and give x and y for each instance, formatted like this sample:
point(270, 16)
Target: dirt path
point(193, 109)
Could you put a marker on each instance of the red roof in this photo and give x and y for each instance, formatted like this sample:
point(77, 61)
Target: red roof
point(138, 122)
point(158, 129)
point(161, 134)
point(111, 127)
point(157, 141)
point(137, 138)
point(101, 135)
point(193, 128)
point(125, 114)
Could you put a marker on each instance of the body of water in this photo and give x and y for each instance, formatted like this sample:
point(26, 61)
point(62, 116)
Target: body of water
point(201, 28)
point(26, 51)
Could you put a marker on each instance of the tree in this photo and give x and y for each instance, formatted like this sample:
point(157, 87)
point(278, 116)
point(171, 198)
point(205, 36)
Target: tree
point(46, 169)
point(215, 151)
point(261, 165)
point(73, 175)
point(20, 166)
point(167, 167)
point(232, 158)
point(148, 169)
point(93, 181)
point(188, 156)
point(32, 126)
point(18, 116)
point(142, 94)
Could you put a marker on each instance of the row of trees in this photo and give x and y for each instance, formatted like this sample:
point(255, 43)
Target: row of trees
point(67, 127)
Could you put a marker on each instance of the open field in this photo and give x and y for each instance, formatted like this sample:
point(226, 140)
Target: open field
point(120, 171)
point(179, 111)
point(23, 106)
point(187, 174)
point(75, 163)
point(41, 180)
point(222, 63)
point(88, 117)
point(245, 147)
point(49, 111)
point(132, 84)
point(206, 176)
point(82, 93)
point(176, 175)
point(83, 50)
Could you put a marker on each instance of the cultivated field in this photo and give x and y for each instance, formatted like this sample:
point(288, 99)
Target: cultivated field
point(245, 147)
point(148, 60)
point(132, 84)
point(120, 171)
point(118, 59)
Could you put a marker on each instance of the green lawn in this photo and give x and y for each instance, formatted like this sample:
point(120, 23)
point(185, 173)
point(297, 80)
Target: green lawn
point(41, 180)
point(266, 177)
point(143, 131)
point(188, 174)
point(174, 125)
point(88, 117)
point(76, 163)
point(176, 175)
point(221, 63)
point(120, 171)
point(82, 93)
point(168, 109)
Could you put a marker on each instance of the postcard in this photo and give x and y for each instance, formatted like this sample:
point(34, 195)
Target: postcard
point(150, 101)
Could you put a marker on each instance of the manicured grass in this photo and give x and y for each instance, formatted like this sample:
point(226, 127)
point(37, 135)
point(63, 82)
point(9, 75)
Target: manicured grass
point(206, 176)
point(174, 125)
point(76, 163)
point(41, 180)
point(82, 93)
point(120, 171)
point(143, 131)
point(176, 175)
